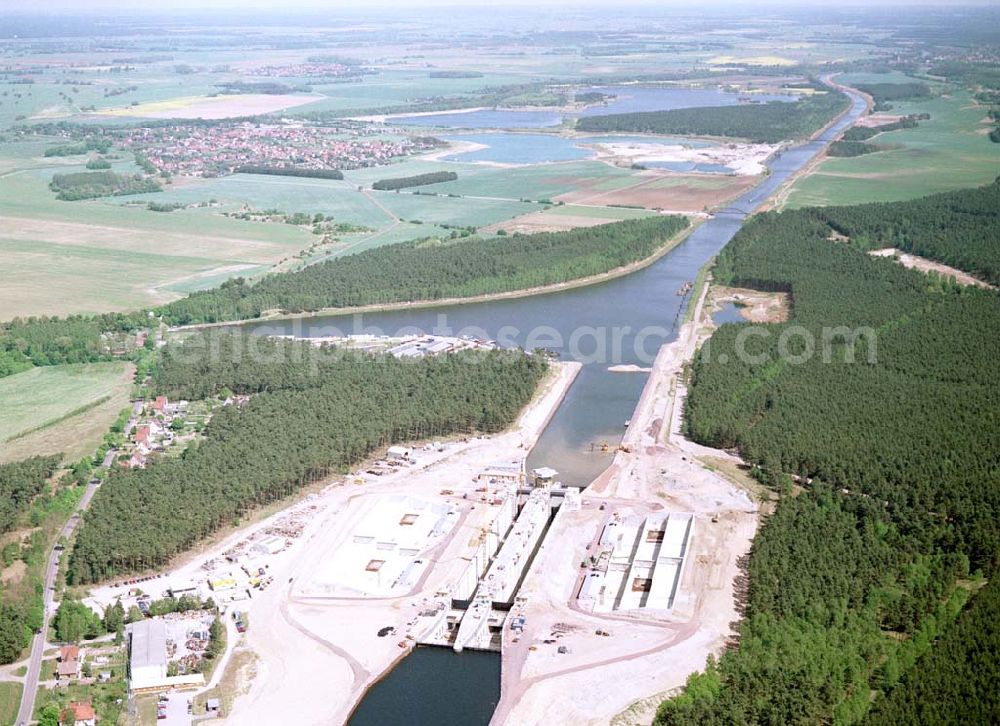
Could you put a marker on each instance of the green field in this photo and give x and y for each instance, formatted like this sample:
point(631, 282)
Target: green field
point(541, 181)
point(106, 254)
point(10, 700)
point(114, 254)
point(950, 151)
point(854, 79)
point(462, 212)
point(60, 408)
point(342, 201)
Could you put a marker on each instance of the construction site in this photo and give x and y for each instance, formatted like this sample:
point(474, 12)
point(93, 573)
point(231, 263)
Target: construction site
point(455, 544)
point(641, 583)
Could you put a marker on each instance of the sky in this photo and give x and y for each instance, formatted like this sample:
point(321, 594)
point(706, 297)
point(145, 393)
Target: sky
point(131, 6)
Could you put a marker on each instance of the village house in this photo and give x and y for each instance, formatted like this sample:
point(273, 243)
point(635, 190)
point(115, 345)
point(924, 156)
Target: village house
point(80, 713)
point(68, 667)
point(143, 437)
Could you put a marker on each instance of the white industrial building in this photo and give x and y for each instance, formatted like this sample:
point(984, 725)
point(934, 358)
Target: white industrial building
point(269, 546)
point(382, 554)
point(503, 472)
point(148, 659)
point(500, 583)
point(502, 515)
point(544, 476)
point(399, 453)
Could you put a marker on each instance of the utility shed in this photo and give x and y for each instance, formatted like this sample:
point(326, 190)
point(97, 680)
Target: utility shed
point(399, 453)
point(182, 587)
point(543, 476)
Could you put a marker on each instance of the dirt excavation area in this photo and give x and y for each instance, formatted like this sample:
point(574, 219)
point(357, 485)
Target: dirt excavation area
point(667, 191)
point(580, 661)
point(875, 120)
point(754, 306)
point(924, 265)
point(545, 221)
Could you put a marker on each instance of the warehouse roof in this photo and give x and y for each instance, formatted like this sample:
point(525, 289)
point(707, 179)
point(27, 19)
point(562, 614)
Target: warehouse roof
point(149, 643)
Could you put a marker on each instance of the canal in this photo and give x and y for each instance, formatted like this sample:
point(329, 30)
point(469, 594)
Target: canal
point(434, 687)
point(623, 321)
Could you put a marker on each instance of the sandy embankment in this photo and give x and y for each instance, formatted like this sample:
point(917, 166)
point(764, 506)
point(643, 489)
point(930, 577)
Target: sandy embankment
point(318, 654)
point(754, 306)
point(647, 654)
point(875, 120)
point(915, 262)
point(453, 148)
point(743, 159)
point(400, 118)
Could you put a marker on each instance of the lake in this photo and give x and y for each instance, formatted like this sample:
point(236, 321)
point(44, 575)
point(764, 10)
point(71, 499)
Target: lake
point(484, 119)
point(520, 148)
point(728, 313)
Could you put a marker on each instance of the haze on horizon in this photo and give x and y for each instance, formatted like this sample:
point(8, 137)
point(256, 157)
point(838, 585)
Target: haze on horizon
point(130, 7)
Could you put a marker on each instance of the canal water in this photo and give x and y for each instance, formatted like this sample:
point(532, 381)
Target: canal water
point(621, 321)
point(434, 687)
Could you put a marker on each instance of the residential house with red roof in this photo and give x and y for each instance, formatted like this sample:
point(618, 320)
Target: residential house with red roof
point(81, 712)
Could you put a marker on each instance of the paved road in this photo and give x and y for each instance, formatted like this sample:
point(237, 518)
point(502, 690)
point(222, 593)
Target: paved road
point(38, 643)
point(177, 713)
